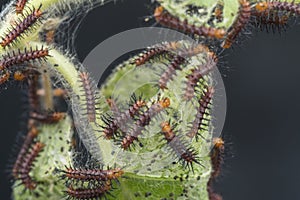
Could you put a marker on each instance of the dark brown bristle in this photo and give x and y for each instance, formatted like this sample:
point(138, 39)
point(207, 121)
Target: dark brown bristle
point(142, 121)
point(239, 24)
point(90, 95)
point(89, 194)
point(19, 58)
point(166, 19)
point(21, 27)
point(204, 103)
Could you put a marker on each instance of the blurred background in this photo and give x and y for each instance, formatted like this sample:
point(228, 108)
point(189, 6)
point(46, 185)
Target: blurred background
point(262, 129)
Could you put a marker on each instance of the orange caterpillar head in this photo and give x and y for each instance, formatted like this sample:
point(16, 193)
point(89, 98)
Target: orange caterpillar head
point(218, 142)
point(261, 6)
point(158, 13)
point(165, 103)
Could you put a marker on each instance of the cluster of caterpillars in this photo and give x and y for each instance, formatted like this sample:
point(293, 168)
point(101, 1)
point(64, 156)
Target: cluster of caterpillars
point(142, 112)
point(266, 15)
point(29, 67)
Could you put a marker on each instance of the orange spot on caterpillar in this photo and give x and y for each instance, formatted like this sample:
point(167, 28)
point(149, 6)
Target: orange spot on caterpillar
point(27, 165)
point(112, 125)
point(21, 27)
point(187, 155)
point(48, 118)
point(98, 175)
point(21, 57)
point(19, 76)
point(89, 194)
point(204, 103)
point(261, 6)
point(89, 89)
point(239, 24)
point(144, 120)
point(20, 6)
point(166, 19)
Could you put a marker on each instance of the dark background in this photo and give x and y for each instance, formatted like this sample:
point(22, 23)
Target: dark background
point(262, 125)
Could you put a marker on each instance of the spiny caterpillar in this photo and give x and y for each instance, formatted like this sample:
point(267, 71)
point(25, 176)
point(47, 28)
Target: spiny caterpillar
point(97, 175)
point(165, 19)
point(21, 57)
point(121, 118)
point(22, 27)
point(27, 164)
point(202, 110)
point(90, 96)
point(93, 193)
point(143, 120)
point(187, 155)
point(156, 50)
point(241, 21)
point(291, 7)
point(217, 156)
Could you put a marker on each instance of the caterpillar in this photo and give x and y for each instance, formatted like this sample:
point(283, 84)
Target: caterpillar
point(27, 164)
point(22, 27)
point(211, 194)
point(20, 6)
point(217, 156)
point(32, 133)
point(155, 51)
point(48, 118)
point(166, 19)
point(33, 98)
point(21, 57)
point(187, 155)
point(170, 71)
point(177, 61)
point(204, 103)
point(118, 122)
point(239, 24)
point(277, 5)
point(271, 20)
point(92, 174)
point(88, 194)
point(89, 89)
point(142, 121)
point(192, 79)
